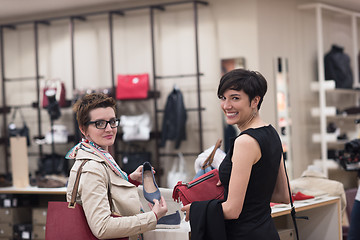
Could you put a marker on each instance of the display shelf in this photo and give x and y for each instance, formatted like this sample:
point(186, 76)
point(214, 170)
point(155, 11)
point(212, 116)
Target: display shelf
point(329, 112)
point(323, 86)
point(32, 190)
point(329, 138)
point(327, 85)
point(154, 95)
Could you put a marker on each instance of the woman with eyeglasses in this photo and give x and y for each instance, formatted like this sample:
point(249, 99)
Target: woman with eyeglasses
point(96, 117)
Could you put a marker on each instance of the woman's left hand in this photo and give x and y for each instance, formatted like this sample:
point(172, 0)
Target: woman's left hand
point(186, 209)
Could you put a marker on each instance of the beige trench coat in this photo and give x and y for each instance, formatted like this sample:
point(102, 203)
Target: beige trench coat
point(92, 195)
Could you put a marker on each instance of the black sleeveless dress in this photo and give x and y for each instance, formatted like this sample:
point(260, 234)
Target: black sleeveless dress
point(255, 222)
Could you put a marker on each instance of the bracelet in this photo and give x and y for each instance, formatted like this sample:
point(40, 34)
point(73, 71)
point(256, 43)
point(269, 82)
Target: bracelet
point(156, 216)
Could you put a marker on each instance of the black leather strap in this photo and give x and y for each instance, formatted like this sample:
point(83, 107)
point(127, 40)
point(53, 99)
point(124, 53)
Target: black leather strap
point(293, 212)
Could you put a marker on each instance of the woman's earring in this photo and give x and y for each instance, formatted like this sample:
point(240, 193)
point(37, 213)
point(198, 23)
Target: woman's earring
point(255, 112)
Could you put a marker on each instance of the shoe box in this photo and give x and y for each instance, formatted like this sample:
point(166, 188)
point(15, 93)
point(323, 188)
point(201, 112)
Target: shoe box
point(11, 220)
point(39, 216)
point(39, 222)
point(22, 231)
point(286, 234)
point(38, 232)
point(15, 215)
point(6, 231)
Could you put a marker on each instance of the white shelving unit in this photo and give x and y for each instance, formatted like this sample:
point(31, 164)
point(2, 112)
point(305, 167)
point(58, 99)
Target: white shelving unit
point(283, 109)
point(324, 87)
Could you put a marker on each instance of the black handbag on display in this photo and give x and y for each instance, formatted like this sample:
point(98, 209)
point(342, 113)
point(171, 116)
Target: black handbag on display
point(132, 158)
point(53, 164)
point(15, 131)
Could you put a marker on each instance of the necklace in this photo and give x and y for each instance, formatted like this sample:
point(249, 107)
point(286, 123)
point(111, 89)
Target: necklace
point(248, 121)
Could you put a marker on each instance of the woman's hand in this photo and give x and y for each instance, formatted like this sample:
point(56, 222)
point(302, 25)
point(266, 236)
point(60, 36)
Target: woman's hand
point(137, 174)
point(218, 183)
point(186, 209)
point(159, 208)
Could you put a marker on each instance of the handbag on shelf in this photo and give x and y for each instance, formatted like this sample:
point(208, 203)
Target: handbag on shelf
point(200, 189)
point(136, 127)
point(15, 131)
point(133, 157)
point(60, 93)
point(67, 221)
point(134, 86)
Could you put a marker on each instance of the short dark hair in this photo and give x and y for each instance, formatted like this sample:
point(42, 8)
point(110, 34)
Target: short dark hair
point(88, 102)
point(251, 82)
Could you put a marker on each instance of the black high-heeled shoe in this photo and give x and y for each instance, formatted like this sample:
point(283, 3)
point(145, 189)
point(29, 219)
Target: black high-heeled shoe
point(150, 189)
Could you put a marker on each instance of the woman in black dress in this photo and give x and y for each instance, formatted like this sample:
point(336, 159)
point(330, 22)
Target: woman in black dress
point(252, 172)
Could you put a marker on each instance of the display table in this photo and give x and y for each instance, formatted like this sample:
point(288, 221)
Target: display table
point(324, 221)
point(181, 233)
point(324, 215)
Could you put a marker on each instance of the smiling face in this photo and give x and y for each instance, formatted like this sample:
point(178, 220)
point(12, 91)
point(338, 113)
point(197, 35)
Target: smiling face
point(237, 108)
point(102, 137)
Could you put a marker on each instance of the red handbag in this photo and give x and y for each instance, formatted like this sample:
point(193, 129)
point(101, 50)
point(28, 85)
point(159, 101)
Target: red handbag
point(132, 86)
point(67, 221)
point(60, 93)
point(200, 189)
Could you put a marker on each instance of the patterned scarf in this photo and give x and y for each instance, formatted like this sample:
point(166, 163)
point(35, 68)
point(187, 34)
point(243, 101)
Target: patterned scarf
point(93, 148)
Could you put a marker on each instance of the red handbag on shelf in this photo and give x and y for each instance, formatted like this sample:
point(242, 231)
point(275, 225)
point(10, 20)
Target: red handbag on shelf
point(200, 189)
point(60, 93)
point(132, 86)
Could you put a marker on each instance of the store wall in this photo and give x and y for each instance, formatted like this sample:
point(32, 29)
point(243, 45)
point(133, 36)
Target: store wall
point(278, 37)
point(258, 30)
point(221, 27)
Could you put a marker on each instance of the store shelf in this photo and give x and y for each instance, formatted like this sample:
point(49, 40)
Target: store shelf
point(329, 112)
point(328, 85)
point(32, 190)
point(329, 138)
point(330, 98)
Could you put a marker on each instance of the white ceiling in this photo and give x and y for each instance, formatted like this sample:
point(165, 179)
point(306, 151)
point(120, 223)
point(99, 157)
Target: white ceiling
point(13, 10)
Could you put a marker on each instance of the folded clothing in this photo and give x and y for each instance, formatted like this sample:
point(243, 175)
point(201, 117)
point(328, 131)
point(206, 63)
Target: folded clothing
point(300, 196)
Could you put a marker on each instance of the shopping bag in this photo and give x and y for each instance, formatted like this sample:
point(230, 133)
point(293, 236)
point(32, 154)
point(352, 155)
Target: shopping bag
point(177, 172)
point(132, 86)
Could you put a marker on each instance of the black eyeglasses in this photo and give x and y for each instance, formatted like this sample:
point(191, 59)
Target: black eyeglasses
point(102, 124)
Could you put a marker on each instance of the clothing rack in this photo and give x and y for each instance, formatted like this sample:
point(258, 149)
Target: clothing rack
point(72, 23)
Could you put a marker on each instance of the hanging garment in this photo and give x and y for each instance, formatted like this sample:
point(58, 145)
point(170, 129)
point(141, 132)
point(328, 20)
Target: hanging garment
point(337, 67)
point(174, 120)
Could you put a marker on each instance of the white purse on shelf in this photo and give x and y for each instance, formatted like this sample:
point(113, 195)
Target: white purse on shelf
point(136, 128)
